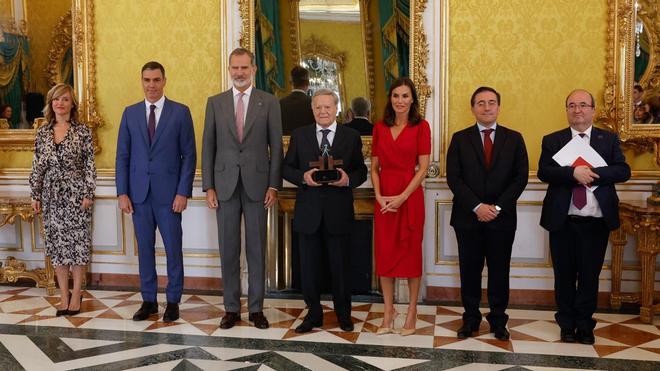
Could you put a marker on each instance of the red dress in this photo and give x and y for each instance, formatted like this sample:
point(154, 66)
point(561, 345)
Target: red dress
point(398, 236)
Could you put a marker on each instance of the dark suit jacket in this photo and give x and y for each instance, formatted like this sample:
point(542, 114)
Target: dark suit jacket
point(167, 166)
point(296, 111)
point(363, 126)
point(561, 182)
point(334, 204)
point(472, 183)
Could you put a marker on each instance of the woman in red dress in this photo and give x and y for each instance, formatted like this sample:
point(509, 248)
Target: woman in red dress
point(400, 157)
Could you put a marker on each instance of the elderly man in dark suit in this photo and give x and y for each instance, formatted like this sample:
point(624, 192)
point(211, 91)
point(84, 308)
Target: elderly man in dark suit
point(487, 170)
point(580, 220)
point(323, 213)
point(241, 161)
point(361, 110)
point(297, 106)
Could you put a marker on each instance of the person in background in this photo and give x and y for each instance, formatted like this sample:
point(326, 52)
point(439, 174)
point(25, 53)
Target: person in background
point(401, 150)
point(297, 106)
point(62, 183)
point(361, 110)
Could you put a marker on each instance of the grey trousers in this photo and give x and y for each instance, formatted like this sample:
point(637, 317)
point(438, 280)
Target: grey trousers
point(229, 239)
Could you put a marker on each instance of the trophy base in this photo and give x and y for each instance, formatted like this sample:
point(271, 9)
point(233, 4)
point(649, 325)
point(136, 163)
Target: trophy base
point(326, 176)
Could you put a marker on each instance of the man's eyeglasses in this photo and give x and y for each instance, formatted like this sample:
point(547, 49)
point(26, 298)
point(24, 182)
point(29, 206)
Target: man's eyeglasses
point(582, 106)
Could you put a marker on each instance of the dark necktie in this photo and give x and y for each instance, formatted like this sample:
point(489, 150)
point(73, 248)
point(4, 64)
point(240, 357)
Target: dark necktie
point(324, 141)
point(580, 192)
point(152, 123)
point(488, 147)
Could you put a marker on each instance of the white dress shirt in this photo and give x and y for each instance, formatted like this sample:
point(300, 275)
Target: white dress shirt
point(592, 208)
point(158, 110)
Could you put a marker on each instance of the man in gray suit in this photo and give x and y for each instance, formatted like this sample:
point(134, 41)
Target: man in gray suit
point(241, 161)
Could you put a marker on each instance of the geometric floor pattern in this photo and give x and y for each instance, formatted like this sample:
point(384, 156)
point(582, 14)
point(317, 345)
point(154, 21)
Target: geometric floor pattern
point(103, 337)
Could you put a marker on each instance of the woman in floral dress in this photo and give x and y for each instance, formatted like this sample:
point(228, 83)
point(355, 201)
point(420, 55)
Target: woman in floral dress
point(62, 182)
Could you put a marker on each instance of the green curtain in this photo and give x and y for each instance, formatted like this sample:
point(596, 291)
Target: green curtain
point(267, 48)
point(395, 27)
point(642, 61)
point(14, 73)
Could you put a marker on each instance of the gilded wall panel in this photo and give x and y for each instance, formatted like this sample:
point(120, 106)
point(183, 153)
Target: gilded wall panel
point(184, 36)
point(42, 17)
point(5, 8)
point(534, 52)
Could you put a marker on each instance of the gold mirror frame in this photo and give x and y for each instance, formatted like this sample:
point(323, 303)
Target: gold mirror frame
point(419, 47)
point(60, 43)
point(618, 108)
point(82, 22)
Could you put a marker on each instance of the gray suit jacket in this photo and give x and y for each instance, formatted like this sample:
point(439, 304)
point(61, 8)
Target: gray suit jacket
point(257, 159)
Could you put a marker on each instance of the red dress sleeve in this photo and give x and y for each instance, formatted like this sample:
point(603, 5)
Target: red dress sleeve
point(424, 139)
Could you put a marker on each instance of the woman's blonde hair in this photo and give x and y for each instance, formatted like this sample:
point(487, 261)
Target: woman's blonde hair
point(55, 92)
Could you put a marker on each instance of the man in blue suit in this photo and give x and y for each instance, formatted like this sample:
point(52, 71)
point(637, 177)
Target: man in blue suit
point(155, 167)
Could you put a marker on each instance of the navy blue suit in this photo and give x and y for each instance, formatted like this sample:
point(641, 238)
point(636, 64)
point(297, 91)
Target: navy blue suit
point(152, 175)
point(578, 244)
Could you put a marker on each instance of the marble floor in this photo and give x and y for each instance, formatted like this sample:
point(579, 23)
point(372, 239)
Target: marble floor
point(103, 337)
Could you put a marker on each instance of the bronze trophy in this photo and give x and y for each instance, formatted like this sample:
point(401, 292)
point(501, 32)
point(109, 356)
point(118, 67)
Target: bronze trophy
point(326, 164)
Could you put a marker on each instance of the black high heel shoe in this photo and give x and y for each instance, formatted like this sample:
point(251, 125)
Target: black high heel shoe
point(63, 312)
point(74, 312)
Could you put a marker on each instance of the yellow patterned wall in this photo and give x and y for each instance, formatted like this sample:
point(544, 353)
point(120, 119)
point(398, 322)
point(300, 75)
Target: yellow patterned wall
point(534, 52)
point(182, 35)
point(5, 9)
point(344, 38)
point(42, 17)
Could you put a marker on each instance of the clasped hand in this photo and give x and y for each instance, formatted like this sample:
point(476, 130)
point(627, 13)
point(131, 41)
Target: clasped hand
point(584, 175)
point(390, 204)
point(486, 213)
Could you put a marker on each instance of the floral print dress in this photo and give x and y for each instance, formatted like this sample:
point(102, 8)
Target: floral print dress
point(62, 175)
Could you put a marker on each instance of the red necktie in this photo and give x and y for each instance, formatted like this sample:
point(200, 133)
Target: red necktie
point(580, 192)
point(240, 117)
point(488, 147)
point(152, 123)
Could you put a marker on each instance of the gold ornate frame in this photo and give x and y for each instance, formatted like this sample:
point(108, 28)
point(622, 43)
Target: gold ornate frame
point(419, 47)
point(618, 108)
point(61, 42)
point(82, 22)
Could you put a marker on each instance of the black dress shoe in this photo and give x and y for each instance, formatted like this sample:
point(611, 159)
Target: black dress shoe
point(307, 325)
point(501, 333)
point(229, 320)
point(568, 335)
point(346, 325)
point(466, 331)
point(585, 336)
point(259, 320)
point(148, 308)
point(171, 312)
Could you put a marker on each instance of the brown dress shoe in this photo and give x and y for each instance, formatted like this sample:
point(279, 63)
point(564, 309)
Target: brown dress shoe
point(259, 320)
point(229, 320)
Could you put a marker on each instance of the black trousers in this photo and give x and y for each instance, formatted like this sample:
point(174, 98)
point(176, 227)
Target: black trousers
point(578, 251)
point(493, 246)
point(336, 247)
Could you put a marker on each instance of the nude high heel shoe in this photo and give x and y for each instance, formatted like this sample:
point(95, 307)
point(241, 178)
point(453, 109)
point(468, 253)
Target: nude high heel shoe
point(387, 330)
point(408, 331)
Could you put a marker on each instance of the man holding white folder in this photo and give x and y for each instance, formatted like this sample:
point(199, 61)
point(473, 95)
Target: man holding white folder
point(581, 164)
